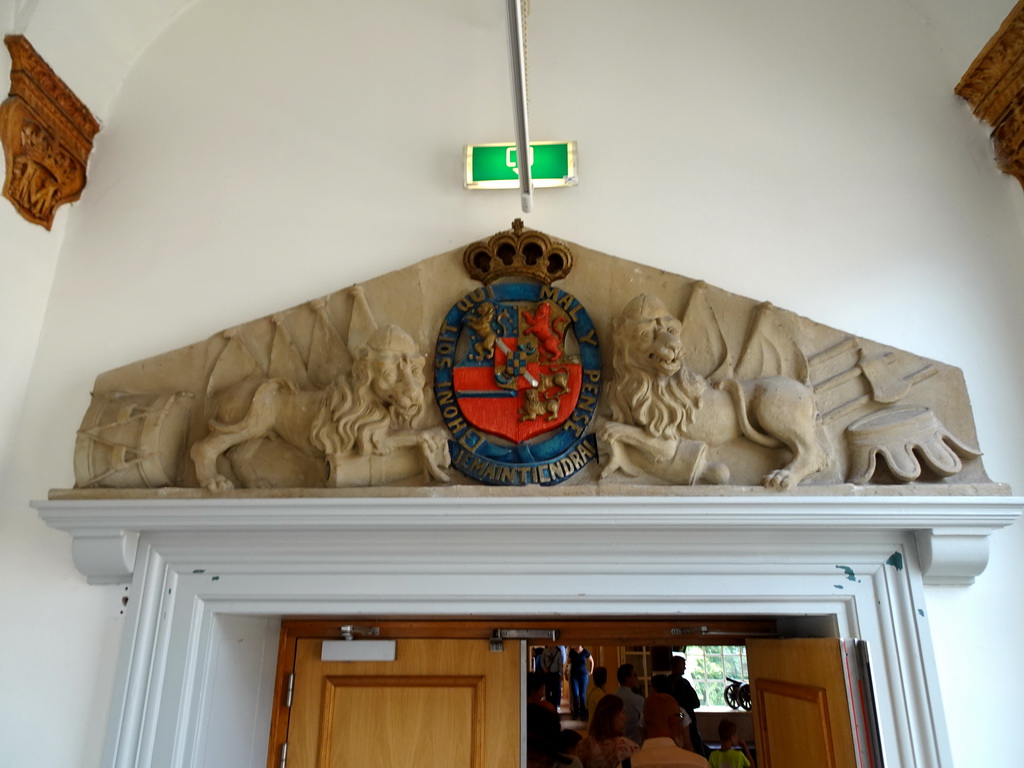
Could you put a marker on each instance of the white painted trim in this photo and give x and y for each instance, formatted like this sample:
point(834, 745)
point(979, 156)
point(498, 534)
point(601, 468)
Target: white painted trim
point(951, 532)
point(856, 559)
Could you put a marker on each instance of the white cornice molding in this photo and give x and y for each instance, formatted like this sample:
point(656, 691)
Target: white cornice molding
point(951, 533)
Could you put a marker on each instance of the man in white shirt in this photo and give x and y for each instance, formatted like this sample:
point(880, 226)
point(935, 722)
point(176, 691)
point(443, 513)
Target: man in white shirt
point(664, 723)
point(634, 702)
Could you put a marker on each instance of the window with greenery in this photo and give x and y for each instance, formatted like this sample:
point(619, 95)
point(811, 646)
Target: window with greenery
point(710, 666)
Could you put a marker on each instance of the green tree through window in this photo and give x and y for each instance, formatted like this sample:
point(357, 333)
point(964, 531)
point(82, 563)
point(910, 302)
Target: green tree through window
point(710, 666)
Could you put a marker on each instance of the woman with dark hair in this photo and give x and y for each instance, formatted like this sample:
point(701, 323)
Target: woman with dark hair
point(605, 745)
point(581, 666)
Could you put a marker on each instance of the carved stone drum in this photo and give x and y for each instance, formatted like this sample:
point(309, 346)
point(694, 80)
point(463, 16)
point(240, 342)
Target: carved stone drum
point(132, 441)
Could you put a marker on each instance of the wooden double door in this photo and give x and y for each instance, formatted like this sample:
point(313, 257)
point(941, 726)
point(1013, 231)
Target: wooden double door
point(439, 704)
point(450, 699)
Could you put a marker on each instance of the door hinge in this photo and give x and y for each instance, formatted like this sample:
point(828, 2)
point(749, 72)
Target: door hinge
point(289, 691)
point(498, 636)
point(284, 756)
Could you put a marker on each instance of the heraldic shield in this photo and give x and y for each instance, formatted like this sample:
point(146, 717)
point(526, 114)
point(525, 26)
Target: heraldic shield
point(516, 380)
point(518, 361)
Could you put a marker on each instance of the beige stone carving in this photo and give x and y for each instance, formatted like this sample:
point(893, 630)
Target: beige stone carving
point(665, 416)
point(702, 392)
point(372, 411)
point(128, 441)
point(904, 437)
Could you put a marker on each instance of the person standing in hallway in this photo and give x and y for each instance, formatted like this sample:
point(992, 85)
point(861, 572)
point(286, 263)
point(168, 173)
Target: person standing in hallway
point(684, 694)
point(581, 664)
point(629, 682)
point(552, 662)
point(596, 692)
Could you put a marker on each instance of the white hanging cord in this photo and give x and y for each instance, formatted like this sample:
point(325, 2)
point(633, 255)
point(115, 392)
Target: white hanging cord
point(517, 65)
point(525, 11)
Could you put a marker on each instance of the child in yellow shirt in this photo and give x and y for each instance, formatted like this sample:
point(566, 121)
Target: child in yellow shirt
point(726, 756)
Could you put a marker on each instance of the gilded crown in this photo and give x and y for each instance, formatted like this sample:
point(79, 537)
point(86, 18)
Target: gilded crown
point(518, 252)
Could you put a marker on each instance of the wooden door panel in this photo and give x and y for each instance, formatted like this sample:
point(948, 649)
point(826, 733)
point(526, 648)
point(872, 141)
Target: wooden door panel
point(800, 708)
point(801, 713)
point(439, 704)
point(435, 720)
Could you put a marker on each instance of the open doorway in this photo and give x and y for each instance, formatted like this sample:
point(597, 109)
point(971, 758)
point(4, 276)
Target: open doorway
point(707, 677)
point(613, 641)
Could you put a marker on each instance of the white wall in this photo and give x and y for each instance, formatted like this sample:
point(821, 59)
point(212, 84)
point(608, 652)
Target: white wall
point(28, 258)
point(68, 36)
point(259, 154)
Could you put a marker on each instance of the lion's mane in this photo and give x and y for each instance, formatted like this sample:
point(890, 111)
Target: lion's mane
point(662, 405)
point(351, 409)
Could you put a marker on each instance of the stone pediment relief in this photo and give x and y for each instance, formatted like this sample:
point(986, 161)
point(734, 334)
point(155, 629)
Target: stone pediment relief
point(521, 362)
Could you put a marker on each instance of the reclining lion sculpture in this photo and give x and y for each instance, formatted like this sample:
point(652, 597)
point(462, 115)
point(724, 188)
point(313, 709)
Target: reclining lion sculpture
point(369, 412)
point(665, 416)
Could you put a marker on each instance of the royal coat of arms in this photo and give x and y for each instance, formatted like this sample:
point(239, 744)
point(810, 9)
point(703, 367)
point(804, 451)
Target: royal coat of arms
point(517, 369)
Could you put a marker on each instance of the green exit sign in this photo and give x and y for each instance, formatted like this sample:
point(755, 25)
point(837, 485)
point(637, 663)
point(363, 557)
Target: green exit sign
point(495, 166)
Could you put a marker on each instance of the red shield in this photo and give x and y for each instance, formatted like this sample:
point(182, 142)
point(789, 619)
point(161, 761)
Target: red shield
point(528, 386)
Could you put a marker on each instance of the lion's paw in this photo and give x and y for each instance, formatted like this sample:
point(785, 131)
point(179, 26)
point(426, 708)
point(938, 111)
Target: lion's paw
point(430, 442)
point(435, 467)
point(780, 480)
point(618, 461)
point(439, 474)
point(219, 484)
point(611, 431)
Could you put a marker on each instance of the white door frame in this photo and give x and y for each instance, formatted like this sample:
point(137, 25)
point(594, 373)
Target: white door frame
point(211, 577)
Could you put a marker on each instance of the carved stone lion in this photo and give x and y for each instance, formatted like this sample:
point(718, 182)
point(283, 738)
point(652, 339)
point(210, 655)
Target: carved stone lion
point(664, 416)
point(370, 412)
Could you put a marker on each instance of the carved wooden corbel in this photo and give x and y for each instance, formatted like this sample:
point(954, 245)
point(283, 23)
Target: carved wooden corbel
point(47, 135)
point(994, 86)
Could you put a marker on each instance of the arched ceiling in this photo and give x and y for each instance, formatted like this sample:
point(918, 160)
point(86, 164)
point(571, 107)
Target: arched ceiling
point(93, 44)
